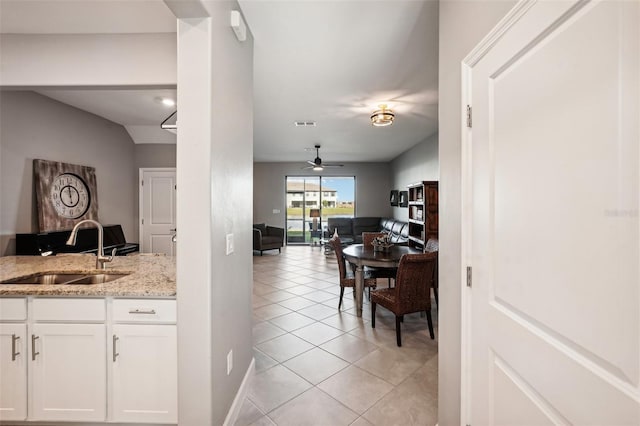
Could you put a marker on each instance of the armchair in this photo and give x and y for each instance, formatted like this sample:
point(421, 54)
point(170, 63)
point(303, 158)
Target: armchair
point(267, 237)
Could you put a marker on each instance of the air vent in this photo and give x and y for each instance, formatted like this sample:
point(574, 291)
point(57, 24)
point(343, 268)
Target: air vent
point(305, 123)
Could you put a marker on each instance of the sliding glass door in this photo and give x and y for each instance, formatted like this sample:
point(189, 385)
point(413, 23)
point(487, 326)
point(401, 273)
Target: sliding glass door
point(311, 200)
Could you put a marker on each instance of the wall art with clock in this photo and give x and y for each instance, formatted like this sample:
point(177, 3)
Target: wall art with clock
point(65, 194)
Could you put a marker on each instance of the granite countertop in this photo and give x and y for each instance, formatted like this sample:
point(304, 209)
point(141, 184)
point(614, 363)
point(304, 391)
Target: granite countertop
point(151, 275)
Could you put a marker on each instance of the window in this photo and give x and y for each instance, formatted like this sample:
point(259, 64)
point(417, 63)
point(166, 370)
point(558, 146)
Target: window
point(334, 196)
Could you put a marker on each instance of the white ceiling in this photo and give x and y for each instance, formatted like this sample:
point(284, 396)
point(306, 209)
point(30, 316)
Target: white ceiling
point(330, 62)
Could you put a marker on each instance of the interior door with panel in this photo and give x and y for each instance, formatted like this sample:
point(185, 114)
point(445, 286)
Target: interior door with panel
point(13, 372)
point(158, 232)
point(552, 181)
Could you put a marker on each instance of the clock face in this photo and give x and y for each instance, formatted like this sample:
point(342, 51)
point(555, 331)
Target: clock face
point(70, 195)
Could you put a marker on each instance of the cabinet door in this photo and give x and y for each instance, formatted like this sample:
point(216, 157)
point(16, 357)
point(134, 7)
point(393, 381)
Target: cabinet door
point(144, 371)
point(13, 372)
point(68, 372)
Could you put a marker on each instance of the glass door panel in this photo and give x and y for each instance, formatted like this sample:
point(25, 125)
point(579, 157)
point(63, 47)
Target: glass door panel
point(311, 200)
point(303, 198)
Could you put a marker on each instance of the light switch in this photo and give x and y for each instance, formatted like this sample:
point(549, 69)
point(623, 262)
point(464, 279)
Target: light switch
point(276, 211)
point(229, 243)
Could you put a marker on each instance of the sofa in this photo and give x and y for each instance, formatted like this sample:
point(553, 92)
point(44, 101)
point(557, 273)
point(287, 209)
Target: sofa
point(267, 237)
point(354, 227)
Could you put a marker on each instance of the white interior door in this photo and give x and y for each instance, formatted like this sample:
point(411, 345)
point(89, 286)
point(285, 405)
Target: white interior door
point(158, 211)
point(553, 326)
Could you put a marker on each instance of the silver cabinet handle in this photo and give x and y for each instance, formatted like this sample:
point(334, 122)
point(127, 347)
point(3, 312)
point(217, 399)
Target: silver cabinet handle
point(14, 354)
point(173, 230)
point(115, 342)
point(33, 347)
point(143, 311)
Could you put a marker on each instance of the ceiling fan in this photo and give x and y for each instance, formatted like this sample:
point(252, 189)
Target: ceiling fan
point(317, 164)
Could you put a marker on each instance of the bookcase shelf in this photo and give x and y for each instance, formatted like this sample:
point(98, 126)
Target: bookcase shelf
point(423, 213)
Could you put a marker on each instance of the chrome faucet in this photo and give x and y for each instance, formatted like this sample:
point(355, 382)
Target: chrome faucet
point(101, 259)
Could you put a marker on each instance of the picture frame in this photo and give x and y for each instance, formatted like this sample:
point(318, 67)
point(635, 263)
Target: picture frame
point(403, 200)
point(393, 197)
point(65, 194)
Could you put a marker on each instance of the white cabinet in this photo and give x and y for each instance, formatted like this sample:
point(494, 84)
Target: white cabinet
point(144, 373)
point(13, 371)
point(68, 372)
point(68, 359)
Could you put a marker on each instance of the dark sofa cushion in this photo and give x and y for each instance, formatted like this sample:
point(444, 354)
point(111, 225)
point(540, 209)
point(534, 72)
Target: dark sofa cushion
point(343, 224)
point(365, 224)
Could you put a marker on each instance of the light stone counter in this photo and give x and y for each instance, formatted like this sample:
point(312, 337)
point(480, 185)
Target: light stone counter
point(150, 275)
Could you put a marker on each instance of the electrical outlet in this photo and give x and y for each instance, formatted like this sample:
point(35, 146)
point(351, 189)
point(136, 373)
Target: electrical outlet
point(229, 243)
point(229, 362)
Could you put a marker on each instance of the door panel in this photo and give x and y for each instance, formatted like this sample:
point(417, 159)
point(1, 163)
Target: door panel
point(68, 375)
point(158, 205)
point(554, 228)
point(13, 371)
point(145, 374)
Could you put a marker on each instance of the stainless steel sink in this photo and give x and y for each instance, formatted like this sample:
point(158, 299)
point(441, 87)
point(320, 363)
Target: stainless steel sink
point(63, 278)
point(98, 278)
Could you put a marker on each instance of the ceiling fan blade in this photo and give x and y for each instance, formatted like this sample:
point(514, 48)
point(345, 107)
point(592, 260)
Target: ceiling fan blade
point(307, 168)
point(312, 163)
point(332, 165)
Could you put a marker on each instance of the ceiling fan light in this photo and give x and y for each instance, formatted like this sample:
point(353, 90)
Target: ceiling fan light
point(382, 117)
point(318, 168)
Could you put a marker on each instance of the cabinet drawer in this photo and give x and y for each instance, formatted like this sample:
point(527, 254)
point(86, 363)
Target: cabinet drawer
point(69, 309)
point(13, 309)
point(144, 310)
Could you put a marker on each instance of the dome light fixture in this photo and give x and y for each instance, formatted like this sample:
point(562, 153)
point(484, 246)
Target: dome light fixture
point(382, 117)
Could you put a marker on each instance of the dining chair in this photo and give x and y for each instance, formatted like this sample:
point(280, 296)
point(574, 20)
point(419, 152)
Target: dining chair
point(347, 276)
point(412, 292)
point(388, 273)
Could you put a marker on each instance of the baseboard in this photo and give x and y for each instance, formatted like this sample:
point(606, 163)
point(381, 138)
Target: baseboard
point(234, 411)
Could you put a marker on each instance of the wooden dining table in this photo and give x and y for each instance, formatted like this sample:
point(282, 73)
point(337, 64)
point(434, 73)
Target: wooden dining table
point(362, 256)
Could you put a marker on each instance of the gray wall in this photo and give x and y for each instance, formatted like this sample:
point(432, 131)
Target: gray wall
point(154, 155)
point(462, 25)
point(34, 126)
point(415, 165)
point(373, 183)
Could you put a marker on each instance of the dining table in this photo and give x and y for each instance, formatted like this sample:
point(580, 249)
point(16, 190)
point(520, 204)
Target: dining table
point(361, 256)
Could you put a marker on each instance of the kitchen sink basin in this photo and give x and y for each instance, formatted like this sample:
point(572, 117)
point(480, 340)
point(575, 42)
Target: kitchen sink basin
point(63, 278)
point(97, 278)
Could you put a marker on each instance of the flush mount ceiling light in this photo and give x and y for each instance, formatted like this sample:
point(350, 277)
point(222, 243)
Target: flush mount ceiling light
point(382, 117)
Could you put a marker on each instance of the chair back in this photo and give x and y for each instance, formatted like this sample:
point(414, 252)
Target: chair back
point(336, 245)
point(414, 281)
point(368, 237)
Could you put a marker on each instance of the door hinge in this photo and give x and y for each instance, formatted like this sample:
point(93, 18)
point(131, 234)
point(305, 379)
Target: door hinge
point(468, 276)
point(175, 187)
point(142, 182)
point(143, 221)
point(469, 113)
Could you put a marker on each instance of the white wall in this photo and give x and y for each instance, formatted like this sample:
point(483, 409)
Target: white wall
point(462, 25)
point(415, 165)
point(88, 60)
point(215, 198)
point(373, 184)
point(34, 126)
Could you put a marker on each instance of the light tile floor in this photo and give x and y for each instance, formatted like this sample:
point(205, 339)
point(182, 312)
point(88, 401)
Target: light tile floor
point(316, 365)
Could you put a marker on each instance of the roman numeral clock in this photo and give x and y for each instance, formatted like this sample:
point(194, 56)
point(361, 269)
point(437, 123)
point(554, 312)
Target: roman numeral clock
point(65, 194)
